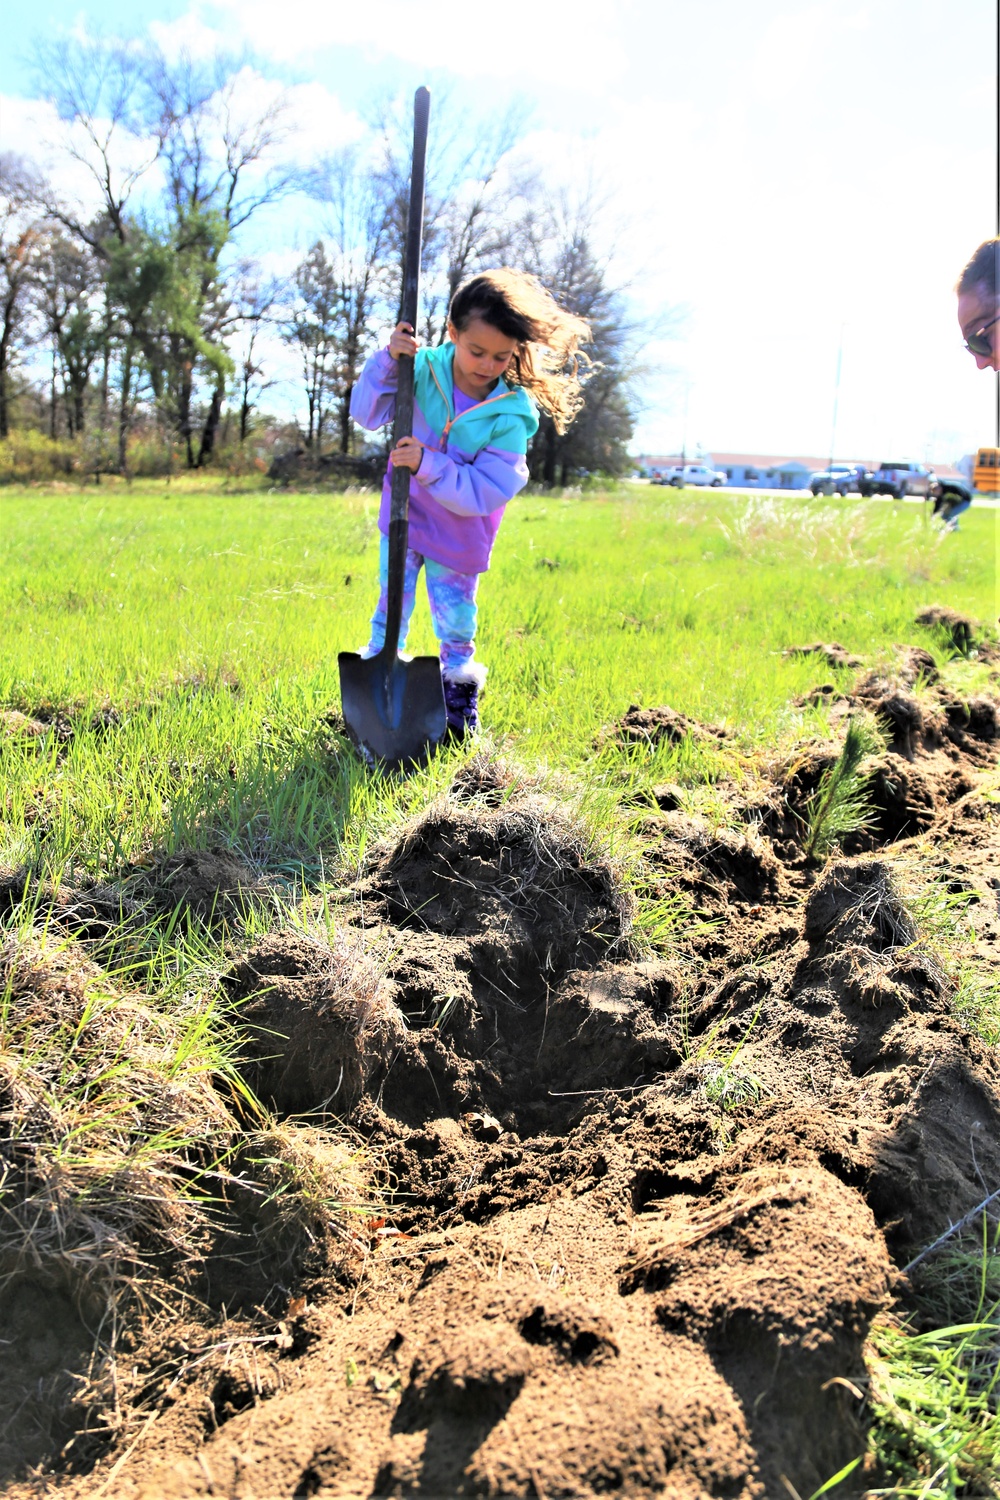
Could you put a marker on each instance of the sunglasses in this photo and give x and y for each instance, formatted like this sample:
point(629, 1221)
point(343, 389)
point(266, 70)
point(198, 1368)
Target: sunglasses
point(978, 343)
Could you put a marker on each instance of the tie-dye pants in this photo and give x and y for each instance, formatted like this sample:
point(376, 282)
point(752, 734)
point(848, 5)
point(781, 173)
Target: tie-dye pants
point(452, 599)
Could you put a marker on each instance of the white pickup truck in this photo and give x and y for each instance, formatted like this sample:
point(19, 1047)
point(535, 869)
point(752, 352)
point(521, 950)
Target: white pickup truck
point(690, 474)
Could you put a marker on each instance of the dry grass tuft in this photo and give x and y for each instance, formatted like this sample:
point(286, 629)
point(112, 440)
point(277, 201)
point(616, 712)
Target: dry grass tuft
point(308, 1190)
point(111, 1129)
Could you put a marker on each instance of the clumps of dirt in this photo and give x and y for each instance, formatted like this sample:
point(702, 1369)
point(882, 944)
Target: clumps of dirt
point(831, 652)
point(719, 866)
point(856, 915)
point(936, 747)
point(161, 1169)
point(638, 1215)
point(317, 1018)
point(958, 630)
point(487, 779)
point(821, 696)
point(215, 885)
point(857, 902)
point(62, 721)
point(779, 1275)
point(522, 882)
point(130, 1185)
point(653, 726)
point(297, 1190)
point(93, 912)
point(577, 1330)
point(16, 725)
point(974, 719)
point(888, 695)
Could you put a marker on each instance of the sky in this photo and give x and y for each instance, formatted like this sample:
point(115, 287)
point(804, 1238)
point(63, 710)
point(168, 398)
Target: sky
point(790, 189)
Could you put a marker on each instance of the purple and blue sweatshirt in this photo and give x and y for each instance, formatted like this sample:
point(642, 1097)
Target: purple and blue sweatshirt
point(473, 461)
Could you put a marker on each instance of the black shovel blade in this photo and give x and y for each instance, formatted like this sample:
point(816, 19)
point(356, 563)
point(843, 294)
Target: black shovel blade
point(394, 710)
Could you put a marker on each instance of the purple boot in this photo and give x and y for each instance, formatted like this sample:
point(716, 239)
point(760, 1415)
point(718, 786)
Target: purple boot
point(461, 698)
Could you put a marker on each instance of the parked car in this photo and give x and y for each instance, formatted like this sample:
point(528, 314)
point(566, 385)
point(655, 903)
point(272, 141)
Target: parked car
point(899, 479)
point(838, 479)
point(690, 474)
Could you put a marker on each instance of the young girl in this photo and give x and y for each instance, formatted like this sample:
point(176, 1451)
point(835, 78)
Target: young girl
point(511, 345)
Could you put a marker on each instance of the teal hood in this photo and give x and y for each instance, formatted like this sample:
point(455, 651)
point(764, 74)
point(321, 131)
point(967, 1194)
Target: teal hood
point(507, 419)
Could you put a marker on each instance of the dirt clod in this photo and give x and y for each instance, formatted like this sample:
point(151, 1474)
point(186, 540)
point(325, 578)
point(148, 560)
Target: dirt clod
point(20, 726)
point(959, 630)
point(318, 1021)
point(654, 725)
point(832, 653)
point(214, 884)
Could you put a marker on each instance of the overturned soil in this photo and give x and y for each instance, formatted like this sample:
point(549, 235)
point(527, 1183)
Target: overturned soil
point(638, 1215)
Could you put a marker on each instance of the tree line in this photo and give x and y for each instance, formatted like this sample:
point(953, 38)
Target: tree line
point(150, 310)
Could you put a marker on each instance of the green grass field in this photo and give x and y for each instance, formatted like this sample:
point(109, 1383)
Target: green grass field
point(180, 644)
point(210, 623)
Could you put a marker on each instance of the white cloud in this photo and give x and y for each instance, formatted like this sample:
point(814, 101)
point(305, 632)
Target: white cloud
point(557, 40)
point(187, 35)
point(318, 123)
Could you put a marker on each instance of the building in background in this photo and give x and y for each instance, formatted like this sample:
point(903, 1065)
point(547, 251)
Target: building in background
point(765, 471)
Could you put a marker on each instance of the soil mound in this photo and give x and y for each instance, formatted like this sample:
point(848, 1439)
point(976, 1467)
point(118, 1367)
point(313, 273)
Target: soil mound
point(637, 1215)
point(213, 884)
point(936, 747)
point(719, 866)
point(17, 725)
point(652, 726)
point(86, 1222)
point(520, 881)
point(959, 630)
point(318, 1021)
point(832, 653)
point(91, 912)
point(779, 1279)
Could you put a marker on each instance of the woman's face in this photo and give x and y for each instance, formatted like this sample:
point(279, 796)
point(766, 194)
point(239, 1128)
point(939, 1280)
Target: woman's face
point(975, 310)
point(482, 353)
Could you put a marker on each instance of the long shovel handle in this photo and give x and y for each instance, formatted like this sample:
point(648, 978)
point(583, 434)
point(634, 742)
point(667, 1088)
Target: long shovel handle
point(403, 425)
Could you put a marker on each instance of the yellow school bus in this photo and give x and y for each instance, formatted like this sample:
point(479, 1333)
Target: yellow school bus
point(986, 474)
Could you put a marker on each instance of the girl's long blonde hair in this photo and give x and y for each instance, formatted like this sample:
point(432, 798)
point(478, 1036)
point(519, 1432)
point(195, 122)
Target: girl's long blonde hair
point(548, 358)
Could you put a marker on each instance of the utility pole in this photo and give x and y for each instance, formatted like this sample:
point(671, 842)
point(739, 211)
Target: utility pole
point(836, 395)
point(684, 429)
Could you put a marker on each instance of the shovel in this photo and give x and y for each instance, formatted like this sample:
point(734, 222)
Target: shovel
point(394, 710)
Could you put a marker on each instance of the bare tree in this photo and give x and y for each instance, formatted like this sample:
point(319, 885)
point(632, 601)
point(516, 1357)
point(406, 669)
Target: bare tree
point(254, 303)
point(311, 324)
point(67, 282)
point(100, 90)
point(210, 146)
point(476, 207)
point(358, 216)
point(555, 239)
point(22, 231)
point(469, 207)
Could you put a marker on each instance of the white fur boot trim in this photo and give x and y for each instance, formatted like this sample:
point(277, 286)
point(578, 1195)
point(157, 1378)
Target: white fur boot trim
point(367, 652)
point(470, 671)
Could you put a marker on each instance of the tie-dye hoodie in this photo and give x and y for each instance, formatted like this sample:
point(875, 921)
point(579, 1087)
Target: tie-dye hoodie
point(474, 455)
